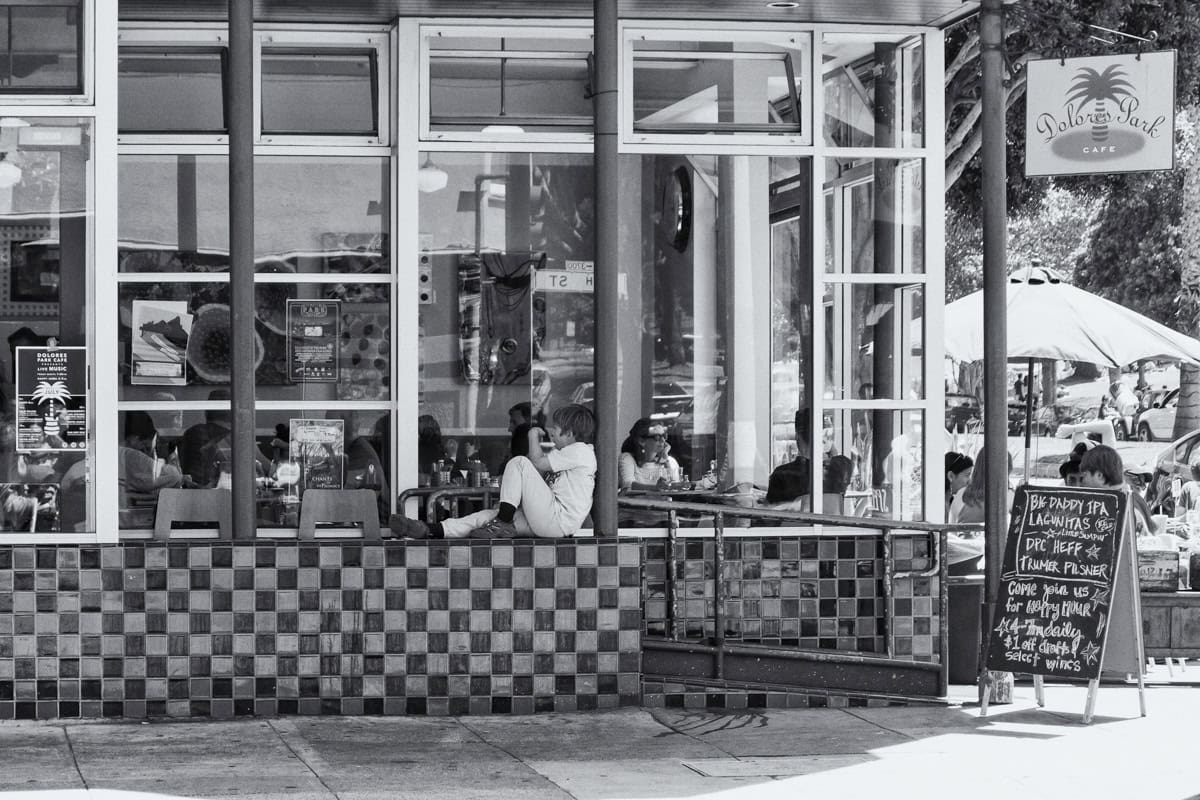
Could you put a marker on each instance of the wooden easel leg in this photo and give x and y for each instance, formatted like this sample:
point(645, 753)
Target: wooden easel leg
point(985, 678)
point(1142, 694)
point(1090, 707)
point(1039, 691)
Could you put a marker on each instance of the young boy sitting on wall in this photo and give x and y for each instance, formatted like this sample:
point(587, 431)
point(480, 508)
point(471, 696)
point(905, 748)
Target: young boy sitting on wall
point(530, 505)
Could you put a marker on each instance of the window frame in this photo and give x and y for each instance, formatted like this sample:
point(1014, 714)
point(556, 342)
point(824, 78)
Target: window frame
point(87, 59)
point(332, 39)
point(190, 37)
point(798, 37)
point(549, 29)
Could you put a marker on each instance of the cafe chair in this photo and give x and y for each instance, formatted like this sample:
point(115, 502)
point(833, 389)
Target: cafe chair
point(339, 505)
point(194, 505)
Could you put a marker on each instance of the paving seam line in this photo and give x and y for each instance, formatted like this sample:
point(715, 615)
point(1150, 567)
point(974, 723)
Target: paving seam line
point(852, 713)
point(695, 738)
point(301, 758)
point(462, 723)
point(74, 760)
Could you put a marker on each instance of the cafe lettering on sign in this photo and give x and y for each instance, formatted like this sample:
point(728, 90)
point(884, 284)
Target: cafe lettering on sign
point(1064, 586)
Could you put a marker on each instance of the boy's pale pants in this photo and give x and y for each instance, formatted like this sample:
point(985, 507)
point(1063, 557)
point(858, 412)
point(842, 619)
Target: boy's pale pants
point(522, 486)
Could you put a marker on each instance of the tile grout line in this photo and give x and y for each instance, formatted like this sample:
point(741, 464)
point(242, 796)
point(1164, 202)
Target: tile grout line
point(461, 723)
point(74, 759)
point(293, 751)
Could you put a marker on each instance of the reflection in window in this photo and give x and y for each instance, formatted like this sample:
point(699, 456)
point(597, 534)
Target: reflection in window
point(45, 445)
point(301, 450)
point(40, 48)
point(873, 344)
point(733, 87)
point(171, 91)
point(697, 361)
point(174, 214)
point(874, 215)
point(320, 92)
point(537, 85)
point(506, 317)
point(175, 341)
point(874, 86)
point(887, 452)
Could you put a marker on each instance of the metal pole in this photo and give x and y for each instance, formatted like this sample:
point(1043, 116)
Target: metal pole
point(241, 261)
point(604, 87)
point(995, 278)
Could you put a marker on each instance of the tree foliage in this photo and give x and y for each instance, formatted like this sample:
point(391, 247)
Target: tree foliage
point(1132, 253)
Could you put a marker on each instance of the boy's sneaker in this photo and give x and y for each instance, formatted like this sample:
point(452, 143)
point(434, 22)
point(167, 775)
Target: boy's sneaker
point(494, 529)
point(408, 528)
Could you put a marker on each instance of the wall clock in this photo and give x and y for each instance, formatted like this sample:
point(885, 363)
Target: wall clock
point(677, 208)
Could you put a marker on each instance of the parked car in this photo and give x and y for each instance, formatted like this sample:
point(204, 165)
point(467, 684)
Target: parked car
point(1157, 422)
point(1173, 464)
point(963, 412)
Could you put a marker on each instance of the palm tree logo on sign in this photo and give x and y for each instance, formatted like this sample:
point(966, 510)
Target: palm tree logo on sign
point(54, 396)
point(1105, 113)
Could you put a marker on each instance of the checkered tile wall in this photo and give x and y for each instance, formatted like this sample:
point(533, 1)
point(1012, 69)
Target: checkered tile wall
point(263, 628)
point(811, 593)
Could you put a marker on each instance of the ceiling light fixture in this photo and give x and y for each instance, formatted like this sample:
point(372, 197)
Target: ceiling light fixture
point(431, 177)
point(782, 5)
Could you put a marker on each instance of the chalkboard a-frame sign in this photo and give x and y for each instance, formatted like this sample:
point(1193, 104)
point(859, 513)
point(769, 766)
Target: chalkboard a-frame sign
point(1068, 599)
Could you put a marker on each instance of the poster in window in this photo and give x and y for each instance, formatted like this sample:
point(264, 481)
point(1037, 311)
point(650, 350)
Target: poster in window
point(160, 338)
point(29, 508)
point(312, 340)
point(318, 446)
point(51, 399)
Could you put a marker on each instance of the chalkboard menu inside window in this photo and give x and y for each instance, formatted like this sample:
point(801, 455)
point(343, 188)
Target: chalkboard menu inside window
point(1062, 568)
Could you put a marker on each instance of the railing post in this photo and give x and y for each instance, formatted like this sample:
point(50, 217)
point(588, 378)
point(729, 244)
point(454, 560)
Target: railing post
point(719, 591)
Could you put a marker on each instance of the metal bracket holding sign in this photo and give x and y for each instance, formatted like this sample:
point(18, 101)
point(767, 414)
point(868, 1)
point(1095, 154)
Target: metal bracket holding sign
point(1100, 114)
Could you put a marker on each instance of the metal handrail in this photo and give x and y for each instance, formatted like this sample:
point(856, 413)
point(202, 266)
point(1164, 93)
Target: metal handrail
point(437, 495)
point(888, 530)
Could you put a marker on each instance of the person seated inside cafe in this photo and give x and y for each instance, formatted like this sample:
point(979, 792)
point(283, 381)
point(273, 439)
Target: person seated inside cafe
point(205, 449)
point(646, 462)
point(547, 494)
point(141, 473)
point(789, 481)
point(645, 465)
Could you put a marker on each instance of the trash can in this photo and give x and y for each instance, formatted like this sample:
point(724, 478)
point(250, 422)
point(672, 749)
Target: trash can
point(965, 596)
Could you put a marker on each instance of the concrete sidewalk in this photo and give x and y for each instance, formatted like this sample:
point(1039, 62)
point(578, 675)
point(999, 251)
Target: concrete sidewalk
point(1018, 751)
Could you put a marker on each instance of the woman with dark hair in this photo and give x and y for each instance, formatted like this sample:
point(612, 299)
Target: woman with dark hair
point(645, 461)
point(972, 508)
point(958, 474)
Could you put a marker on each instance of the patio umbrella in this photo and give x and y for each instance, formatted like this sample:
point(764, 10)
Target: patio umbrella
point(1049, 318)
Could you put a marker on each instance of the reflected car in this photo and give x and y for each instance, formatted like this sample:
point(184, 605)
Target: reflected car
point(670, 399)
point(1157, 422)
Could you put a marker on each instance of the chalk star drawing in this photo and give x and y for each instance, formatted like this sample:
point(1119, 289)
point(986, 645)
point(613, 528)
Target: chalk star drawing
point(1091, 653)
point(1099, 599)
point(1093, 552)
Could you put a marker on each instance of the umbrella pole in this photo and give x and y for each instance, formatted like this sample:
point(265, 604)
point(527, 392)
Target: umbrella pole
point(1028, 418)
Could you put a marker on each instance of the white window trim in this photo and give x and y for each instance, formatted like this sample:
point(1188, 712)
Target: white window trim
point(91, 45)
point(147, 35)
point(516, 142)
point(366, 38)
point(795, 37)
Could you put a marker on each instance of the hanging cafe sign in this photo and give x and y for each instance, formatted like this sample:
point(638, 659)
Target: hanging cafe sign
point(1100, 114)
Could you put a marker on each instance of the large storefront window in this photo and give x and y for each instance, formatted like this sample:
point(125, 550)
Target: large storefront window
point(711, 243)
point(47, 436)
point(506, 317)
point(322, 323)
point(874, 303)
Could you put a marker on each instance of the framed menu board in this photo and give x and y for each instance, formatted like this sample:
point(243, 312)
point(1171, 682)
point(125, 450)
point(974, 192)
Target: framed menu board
point(1067, 604)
